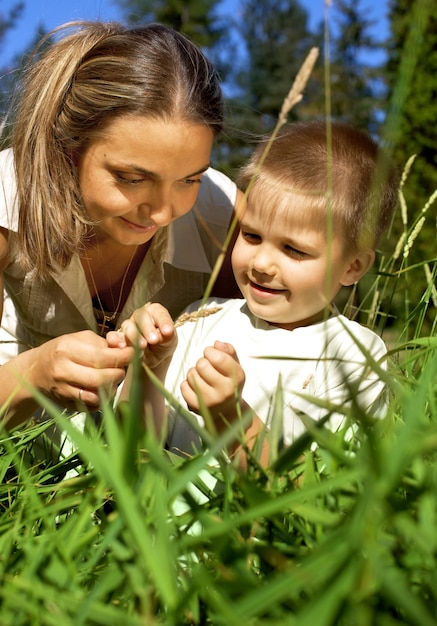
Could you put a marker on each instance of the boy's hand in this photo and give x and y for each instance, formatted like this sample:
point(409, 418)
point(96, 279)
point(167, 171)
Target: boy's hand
point(218, 379)
point(152, 330)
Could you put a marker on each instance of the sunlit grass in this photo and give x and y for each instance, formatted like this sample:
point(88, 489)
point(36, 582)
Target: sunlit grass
point(342, 532)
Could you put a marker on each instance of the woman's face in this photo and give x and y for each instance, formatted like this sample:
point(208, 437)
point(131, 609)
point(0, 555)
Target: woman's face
point(142, 174)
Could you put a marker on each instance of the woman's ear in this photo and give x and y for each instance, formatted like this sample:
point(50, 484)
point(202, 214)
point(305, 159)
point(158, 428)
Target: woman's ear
point(359, 265)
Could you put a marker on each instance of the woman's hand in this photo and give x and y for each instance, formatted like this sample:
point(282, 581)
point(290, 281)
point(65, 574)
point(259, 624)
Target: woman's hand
point(218, 379)
point(152, 330)
point(74, 367)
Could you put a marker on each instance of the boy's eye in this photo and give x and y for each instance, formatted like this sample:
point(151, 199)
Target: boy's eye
point(297, 254)
point(251, 237)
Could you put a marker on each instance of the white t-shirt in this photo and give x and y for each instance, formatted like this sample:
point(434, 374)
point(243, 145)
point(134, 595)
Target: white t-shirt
point(324, 361)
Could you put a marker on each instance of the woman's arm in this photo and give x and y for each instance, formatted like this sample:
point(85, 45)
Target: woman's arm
point(13, 394)
point(62, 368)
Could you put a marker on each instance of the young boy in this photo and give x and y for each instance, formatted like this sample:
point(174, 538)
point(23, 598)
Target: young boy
point(317, 205)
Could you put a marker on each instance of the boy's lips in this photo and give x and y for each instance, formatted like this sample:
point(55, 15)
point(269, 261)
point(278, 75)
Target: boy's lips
point(264, 289)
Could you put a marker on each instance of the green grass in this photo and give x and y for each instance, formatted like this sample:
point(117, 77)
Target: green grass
point(342, 532)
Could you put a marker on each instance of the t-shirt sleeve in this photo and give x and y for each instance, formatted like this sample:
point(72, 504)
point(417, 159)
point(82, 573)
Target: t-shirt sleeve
point(349, 375)
point(354, 370)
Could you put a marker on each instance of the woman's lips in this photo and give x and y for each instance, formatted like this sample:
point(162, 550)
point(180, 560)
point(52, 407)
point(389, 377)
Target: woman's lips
point(138, 228)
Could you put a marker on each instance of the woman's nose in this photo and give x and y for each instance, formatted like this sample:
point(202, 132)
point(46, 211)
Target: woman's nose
point(158, 207)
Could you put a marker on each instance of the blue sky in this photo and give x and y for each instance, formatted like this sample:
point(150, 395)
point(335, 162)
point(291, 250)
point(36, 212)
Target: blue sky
point(52, 13)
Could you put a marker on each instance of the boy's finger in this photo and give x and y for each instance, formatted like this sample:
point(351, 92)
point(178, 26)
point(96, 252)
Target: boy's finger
point(228, 348)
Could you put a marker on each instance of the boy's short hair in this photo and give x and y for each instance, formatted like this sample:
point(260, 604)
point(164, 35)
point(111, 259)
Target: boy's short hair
point(333, 166)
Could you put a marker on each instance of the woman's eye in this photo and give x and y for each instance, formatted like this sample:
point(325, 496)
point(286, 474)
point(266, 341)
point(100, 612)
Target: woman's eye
point(191, 181)
point(129, 181)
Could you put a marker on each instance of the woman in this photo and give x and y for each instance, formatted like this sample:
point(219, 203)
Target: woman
point(107, 200)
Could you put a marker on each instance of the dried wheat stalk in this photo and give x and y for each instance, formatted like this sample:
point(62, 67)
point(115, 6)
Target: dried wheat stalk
point(195, 315)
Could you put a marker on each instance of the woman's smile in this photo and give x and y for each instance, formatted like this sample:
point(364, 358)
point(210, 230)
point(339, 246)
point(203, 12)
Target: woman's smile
point(139, 228)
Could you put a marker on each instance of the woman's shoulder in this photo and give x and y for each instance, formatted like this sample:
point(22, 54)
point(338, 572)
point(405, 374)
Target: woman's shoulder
point(216, 190)
point(6, 157)
point(8, 191)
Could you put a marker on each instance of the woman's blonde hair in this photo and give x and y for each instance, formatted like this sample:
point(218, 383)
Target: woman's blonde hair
point(94, 74)
point(333, 166)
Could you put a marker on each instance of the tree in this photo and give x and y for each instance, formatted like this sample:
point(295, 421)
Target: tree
point(411, 72)
point(353, 82)
point(277, 40)
point(412, 127)
point(274, 42)
point(8, 21)
point(258, 51)
point(198, 19)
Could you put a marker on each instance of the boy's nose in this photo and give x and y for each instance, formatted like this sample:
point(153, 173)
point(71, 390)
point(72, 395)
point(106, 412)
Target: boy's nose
point(263, 261)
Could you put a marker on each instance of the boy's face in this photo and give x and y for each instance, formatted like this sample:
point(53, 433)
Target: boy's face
point(285, 266)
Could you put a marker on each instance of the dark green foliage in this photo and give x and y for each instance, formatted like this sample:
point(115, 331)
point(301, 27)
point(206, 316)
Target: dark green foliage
point(277, 42)
point(354, 88)
point(195, 18)
point(411, 67)
point(411, 128)
point(198, 19)
point(8, 20)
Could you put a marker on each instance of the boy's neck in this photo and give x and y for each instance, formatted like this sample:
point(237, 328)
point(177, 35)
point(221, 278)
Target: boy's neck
point(310, 321)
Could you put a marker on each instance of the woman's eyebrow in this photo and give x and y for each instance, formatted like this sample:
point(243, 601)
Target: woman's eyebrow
point(144, 172)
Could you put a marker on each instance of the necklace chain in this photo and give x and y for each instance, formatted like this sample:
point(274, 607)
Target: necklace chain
point(109, 318)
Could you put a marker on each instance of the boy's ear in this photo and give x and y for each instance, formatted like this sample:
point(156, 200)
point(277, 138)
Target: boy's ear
point(358, 266)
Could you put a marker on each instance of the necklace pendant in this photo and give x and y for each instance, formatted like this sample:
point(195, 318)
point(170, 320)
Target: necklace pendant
point(108, 321)
point(105, 324)
point(102, 326)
